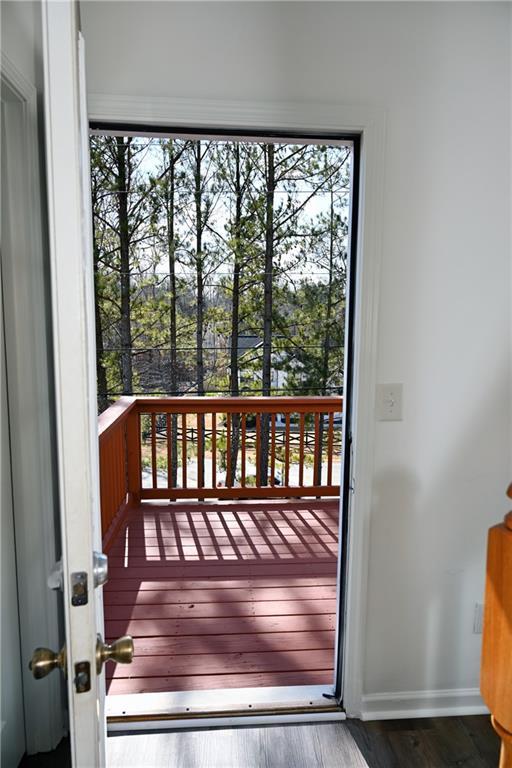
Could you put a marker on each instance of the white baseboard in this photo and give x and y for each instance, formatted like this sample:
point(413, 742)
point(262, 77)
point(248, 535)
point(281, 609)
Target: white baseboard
point(405, 704)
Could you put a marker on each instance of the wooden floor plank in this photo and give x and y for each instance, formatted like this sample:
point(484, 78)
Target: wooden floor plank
point(219, 680)
point(297, 746)
point(210, 664)
point(438, 742)
point(233, 626)
point(230, 595)
point(136, 585)
point(224, 569)
point(308, 606)
point(249, 643)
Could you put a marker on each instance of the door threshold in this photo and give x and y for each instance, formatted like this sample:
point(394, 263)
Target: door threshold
point(221, 707)
point(174, 723)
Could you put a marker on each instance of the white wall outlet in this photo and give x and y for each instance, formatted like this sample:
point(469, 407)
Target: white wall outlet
point(389, 402)
point(478, 619)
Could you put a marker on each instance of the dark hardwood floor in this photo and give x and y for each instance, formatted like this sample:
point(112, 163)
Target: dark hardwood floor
point(439, 742)
point(60, 757)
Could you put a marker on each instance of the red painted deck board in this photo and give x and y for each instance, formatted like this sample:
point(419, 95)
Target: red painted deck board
point(205, 584)
point(219, 626)
point(236, 663)
point(219, 610)
point(230, 595)
point(208, 682)
point(248, 643)
point(223, 595)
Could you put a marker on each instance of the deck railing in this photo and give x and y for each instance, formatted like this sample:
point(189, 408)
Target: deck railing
point(221, 448)
point(113, 460)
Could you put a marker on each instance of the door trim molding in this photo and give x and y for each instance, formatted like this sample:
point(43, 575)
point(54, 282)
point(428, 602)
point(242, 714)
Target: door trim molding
point(309, 117)
point(29, 370)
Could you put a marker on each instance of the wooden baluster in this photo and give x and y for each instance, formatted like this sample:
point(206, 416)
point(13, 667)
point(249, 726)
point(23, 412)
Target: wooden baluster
point(243, 418)
point(301, 450)
point(153, 451)
point(214, 450)
point(330, 441)
point(287, 452)
point(317, 464)
point(169, 450)
point(184, 450)
point(273, 450)
point(228, 450)
point(258, 448)
point(200, 466)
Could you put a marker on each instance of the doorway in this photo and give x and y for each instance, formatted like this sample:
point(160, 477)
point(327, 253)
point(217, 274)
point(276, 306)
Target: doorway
point(203, 498)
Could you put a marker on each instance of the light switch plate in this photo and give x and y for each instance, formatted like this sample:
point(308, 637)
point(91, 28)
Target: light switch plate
point(389, 402)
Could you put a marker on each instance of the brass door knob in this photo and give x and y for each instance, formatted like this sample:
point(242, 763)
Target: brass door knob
point(44, 661)
point(120, 651)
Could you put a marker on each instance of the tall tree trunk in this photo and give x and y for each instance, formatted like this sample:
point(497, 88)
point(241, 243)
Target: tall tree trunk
point(235, 312)
point(328, 310)
point(199, 272)
point(267, 307)
point(200, 294)
point(122, 158)
point(327, 328)
point(173, 363)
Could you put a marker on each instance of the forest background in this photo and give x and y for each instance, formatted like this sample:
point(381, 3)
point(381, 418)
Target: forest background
point(220, 266)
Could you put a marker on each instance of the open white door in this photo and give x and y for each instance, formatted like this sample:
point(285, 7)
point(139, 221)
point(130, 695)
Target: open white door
point(70, 233)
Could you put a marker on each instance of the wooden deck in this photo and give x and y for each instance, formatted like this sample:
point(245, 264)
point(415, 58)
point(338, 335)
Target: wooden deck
point(224, 595)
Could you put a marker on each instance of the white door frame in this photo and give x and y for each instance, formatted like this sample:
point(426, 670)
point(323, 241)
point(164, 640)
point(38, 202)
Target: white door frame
point(27, 351)
point(311, 119)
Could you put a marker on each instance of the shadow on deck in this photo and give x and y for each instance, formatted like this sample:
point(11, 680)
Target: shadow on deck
point(224, 595)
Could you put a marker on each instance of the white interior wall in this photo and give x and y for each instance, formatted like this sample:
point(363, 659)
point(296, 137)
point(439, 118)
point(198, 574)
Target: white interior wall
point(441, 71)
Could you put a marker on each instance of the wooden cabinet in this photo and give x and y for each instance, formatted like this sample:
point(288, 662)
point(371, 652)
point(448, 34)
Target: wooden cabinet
point(496, 671)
